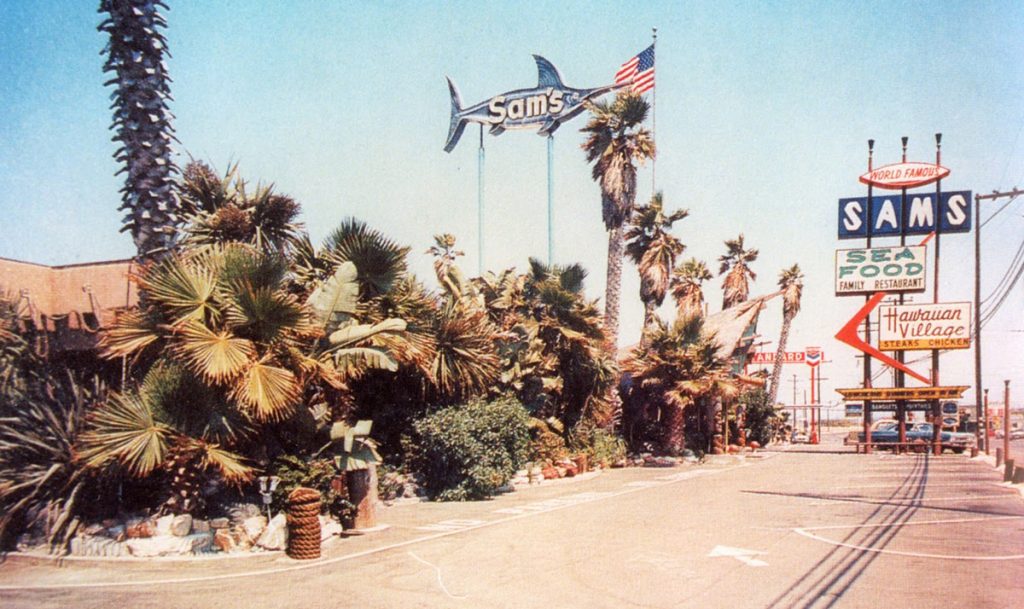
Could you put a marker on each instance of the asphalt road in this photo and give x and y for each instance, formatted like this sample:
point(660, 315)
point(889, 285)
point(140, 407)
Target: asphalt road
point(796, 529)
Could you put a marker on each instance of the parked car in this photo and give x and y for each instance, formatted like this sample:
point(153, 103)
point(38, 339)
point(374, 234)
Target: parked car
point(889, 433)
point(799, 437)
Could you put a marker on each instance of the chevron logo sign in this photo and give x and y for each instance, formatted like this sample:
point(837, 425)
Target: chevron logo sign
point(812, 356)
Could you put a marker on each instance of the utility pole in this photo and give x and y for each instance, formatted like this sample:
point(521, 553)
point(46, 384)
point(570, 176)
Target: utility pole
point(1006, 420)
point(794, 389)
point(980, 408)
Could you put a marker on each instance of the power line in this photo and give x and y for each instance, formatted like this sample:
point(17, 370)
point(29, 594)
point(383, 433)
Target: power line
point(998, 211)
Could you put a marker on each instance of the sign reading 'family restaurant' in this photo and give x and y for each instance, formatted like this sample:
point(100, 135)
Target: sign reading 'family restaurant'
point(924, 326)
point(885, 269)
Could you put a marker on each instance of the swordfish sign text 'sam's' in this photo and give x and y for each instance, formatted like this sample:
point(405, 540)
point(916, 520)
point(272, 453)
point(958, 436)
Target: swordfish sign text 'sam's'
point(545, 107)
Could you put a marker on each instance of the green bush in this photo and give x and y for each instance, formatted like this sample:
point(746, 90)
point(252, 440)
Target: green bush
point(468, 451)
point(310, 473)
point(762, 420)
point(601, 446)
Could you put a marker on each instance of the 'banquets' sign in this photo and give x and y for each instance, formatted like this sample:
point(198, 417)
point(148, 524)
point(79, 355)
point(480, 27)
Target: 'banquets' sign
point(925, 326)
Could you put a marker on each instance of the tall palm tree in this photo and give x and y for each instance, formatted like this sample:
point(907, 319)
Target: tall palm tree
point(687, 281)
point(791, 282)
point(616, 142)
point(653, 248)
point(141, 120)
point(736, 261)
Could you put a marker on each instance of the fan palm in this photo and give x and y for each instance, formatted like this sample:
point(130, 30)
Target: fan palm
point(551, 343)
point(141, 431)
point(616, 142)
point(223, 210)
point(736, 261)
point(687, 281)
point(135, 56)
point(791, 282)
point(653, 248)
point(379, 260)
point(678, 370)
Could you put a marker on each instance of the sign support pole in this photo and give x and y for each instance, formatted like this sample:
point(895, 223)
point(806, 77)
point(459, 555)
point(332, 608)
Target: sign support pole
point(480, 205)
point(901, 405)
point(551, 190)
point(936, 409)
point(867, 320)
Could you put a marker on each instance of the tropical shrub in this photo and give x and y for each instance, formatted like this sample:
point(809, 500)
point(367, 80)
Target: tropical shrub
point(672, 384)
point(319, 474)
point(469, 451)
point(601, 446)
point(42, 485)
point(762, 421)
point(550, 344)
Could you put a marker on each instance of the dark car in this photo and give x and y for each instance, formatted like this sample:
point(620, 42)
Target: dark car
point(889, 433)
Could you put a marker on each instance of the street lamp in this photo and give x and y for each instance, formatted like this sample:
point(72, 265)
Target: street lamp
point(268, 484)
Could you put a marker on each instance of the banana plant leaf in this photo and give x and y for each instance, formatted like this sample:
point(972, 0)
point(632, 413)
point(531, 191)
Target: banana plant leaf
point(337, 298)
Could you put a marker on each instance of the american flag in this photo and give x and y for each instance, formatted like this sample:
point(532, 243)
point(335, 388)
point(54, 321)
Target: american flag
point(638, 71)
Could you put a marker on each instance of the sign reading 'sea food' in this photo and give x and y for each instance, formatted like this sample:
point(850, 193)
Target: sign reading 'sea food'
point(886, 216)
point(544, 107)
point(924, 326)
point(881, 269)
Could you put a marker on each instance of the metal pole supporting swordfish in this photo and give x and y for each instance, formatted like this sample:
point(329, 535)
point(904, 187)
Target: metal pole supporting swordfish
point(544, 107)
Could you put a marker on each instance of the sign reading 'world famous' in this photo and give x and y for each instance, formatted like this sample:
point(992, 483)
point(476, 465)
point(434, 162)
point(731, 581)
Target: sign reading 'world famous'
point(886, 269)
point(886, 216)
point(544, 107)
point(904, 175)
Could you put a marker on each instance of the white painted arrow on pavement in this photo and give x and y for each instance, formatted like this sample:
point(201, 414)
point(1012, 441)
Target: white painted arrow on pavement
point(741, 554)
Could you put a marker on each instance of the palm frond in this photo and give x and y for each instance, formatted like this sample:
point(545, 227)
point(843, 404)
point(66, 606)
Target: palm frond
point(268, 391)
point(122, 430)
point(214, 355)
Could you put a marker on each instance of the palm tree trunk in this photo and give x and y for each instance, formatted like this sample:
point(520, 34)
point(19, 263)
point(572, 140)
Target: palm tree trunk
point(777, 367)
point(675, 437)
point(649, 308)
point(613, 287)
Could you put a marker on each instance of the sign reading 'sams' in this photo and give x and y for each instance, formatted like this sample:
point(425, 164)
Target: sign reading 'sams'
point(544, 107)
point(886, 216)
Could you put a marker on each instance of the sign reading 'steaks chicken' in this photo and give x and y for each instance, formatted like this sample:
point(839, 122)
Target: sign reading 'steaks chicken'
point(544, 107)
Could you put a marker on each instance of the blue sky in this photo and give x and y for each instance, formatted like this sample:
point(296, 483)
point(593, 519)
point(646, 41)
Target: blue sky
point(763, 114)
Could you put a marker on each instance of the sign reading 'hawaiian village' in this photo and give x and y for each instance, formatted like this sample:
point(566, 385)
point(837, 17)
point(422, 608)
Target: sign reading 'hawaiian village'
point(544, 107)
point(885, 269)
point(924, 326)
point(886, 215)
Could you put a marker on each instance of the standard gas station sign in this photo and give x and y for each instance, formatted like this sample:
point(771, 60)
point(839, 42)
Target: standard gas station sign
point(881, 269)
point(886, 216)
point(768, 357)
point(924, 326)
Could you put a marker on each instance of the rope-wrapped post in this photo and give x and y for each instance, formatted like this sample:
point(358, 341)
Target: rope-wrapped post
point(304, 524)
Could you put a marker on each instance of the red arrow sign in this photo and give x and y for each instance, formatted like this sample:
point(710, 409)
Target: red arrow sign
point(848, 333)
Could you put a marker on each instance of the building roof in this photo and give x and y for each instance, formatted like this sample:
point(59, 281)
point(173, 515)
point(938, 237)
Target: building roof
point(74, 297)
point(733, 327)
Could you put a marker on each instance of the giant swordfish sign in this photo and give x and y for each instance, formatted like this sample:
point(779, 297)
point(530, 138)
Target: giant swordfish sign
point(544, 107)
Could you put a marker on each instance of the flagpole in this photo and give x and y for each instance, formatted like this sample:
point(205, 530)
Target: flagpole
point(654, 114)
